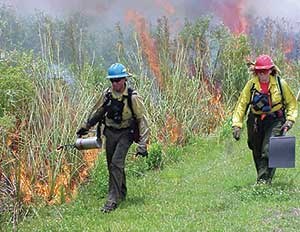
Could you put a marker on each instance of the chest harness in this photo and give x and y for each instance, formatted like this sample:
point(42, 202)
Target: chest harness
point(114, 108)
point(262, 102)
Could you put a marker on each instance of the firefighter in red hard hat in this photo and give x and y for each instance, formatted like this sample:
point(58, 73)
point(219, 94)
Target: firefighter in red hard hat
point(273, 110)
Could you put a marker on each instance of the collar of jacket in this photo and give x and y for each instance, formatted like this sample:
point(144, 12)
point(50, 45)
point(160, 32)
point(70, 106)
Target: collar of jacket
point(118, 95)
point(255, 79)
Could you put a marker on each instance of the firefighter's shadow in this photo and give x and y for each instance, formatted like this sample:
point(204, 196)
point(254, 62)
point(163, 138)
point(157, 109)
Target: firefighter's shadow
point(134, 201)
point(277, 191)
point(288, 185)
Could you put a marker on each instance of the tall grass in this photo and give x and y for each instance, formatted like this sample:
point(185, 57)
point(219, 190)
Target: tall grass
point(38, 117)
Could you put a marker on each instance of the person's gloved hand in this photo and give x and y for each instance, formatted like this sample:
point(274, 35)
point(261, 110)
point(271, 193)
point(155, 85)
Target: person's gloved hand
point(82, 131)
point(141, 151)
point(236, 132)
point(287, 125)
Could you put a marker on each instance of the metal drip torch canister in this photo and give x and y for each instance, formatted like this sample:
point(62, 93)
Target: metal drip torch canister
point(88, 143)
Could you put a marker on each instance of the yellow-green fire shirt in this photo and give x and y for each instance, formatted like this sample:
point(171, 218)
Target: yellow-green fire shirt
point(245, 98)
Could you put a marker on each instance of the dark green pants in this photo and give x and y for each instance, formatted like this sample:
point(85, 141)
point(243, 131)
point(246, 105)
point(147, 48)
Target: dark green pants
point(259, 133)
point(117, 145)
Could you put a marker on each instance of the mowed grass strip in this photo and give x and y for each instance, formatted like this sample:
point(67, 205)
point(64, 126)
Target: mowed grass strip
point(212, 188)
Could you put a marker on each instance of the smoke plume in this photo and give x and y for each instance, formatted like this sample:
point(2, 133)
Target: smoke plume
point(112, 11)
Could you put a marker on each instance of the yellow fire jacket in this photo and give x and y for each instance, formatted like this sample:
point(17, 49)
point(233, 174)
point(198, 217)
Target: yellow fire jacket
point(245, 99)
point(138, 107)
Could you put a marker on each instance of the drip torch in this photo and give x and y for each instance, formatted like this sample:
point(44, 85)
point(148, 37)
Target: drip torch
point(93, 142)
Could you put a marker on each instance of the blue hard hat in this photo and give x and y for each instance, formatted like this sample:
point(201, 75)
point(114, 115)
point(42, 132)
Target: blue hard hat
point(117, 70)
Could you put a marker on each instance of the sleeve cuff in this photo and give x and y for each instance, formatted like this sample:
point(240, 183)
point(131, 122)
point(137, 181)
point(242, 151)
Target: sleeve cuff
point(237, 124)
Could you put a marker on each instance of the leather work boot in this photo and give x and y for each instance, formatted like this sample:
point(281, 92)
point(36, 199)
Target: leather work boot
point(108, 207)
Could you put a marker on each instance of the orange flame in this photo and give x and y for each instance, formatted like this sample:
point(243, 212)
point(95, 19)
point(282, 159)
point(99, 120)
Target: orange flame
point(89, 157)
point(52, 189)
point(215, 109)
point(172, 131)
point(147, 43)
point(232, 15)
point(288, 46)
point(25, 185)
point(65, 186)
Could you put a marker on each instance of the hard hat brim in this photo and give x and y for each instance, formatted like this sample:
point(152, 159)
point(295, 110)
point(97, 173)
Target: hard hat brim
point(118, 76)
point(263, 67)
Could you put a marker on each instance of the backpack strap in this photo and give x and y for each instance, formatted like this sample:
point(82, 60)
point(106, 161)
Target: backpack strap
point(107, 98)
point(281, 91)
point(130, 93)
point(134, 124)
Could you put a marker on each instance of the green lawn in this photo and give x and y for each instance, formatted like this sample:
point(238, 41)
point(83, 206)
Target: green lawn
point(210, 189)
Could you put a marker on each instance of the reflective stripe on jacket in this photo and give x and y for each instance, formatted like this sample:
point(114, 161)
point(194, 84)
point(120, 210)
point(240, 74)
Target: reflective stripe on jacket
point(244, 100)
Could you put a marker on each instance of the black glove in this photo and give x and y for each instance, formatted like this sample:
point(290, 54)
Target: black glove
point(236, 133)
point(82, 131)
point(141, 150)
point(143, 154)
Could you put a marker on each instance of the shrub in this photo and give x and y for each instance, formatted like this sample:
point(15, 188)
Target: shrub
point(16, 89)
point(154, 159)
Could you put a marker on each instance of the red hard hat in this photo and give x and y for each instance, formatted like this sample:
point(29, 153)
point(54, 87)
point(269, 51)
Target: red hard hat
point(263, 62)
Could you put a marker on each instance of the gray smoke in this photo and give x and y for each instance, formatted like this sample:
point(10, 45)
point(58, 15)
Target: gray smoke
point(275, 9)
point(104, 14)
point(112, 11)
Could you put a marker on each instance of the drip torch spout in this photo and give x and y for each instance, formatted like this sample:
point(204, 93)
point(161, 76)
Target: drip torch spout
point(60, 147)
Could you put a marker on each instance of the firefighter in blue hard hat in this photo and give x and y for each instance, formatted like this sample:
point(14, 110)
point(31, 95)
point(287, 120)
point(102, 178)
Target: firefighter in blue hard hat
point(122, 112)
point(273, 111)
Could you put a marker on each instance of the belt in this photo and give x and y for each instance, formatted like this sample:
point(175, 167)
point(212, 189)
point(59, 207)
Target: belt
point(116, 129)
point(276, 114)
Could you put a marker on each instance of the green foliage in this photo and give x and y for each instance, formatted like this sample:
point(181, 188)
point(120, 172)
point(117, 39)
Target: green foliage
point(136, 166)
point(99, 177)
point(195, 31)
point(225, 130)
point(4, 219)
point(92, 77)
point(162, 38)
point(154, 159)
point(233, 72)
point(16, 88)
point(173, 154)
point(7, 122)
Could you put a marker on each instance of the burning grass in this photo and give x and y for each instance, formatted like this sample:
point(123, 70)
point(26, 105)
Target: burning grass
point(54, 184)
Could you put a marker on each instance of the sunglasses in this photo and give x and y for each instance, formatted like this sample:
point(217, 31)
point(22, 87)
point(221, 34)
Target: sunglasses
point(115, 80)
